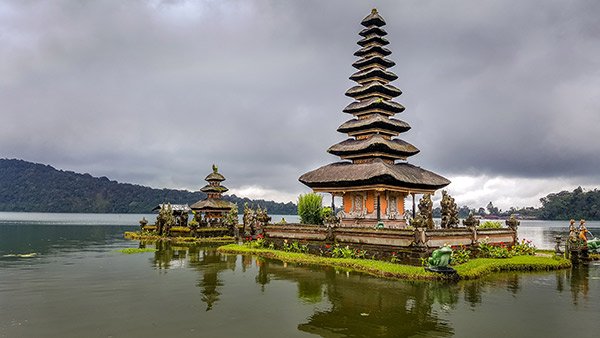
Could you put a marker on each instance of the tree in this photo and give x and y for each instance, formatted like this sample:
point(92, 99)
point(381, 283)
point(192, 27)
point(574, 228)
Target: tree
point(492, 210)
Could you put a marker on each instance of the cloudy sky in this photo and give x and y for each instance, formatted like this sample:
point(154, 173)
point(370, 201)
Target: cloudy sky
point(503, 96)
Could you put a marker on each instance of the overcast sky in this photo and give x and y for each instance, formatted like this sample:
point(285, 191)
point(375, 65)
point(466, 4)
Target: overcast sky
point(503, 96)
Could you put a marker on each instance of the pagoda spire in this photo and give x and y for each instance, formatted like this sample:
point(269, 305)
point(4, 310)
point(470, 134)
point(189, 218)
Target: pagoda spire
point(372, 129)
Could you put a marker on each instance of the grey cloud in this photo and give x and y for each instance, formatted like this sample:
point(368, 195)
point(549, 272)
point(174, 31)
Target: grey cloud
point(153, 92)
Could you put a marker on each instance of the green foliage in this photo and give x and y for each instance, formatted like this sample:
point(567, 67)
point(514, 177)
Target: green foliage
point(492, 251)
point(479, 267)
point(490, 225)
point(577, 204)
point(347, 252)
point(524, 248)
point(26, 186)
point(460, 256)
point(130, 251)
point(180, 229)
point(294, 247)
point(310, 208)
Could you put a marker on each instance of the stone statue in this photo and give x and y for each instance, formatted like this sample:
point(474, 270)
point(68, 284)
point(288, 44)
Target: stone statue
point(583, 231)
point(449, 211)
point(248, 220)
point(572, 231)
point(513, 222)
point(424, 218)
point(471, 221)
point(143, 223)
point(440, 257)
point(165, 220)
point(183, 219)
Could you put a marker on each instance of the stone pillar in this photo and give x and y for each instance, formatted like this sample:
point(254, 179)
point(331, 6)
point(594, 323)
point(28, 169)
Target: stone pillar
point(414, 212)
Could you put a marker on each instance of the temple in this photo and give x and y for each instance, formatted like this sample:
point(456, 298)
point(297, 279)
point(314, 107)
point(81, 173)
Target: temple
point(374, 177)
point(213, 206)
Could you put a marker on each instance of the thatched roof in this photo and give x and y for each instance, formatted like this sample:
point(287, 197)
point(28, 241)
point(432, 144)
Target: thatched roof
point(212, 204)
point(373, 39)
point(373, 61)
point(373, 30)
point(214, 188)
point(215, 176)
point(373, 19)
point(373, 88)
point(347, 174)
point(374, 144)
point(375, 50)
point(373, 103)
point(375, 121)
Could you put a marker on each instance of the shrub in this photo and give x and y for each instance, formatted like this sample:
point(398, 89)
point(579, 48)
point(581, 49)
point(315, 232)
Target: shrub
point(310, 208)
point(490, 251)
point(525, 248)
point(491, 225)
point(460, 256)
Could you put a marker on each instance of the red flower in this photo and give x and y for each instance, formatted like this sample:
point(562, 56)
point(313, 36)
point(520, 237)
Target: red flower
point(327, 246)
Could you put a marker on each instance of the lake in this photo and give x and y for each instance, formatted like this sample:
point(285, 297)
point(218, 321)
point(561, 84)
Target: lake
point(78, 285)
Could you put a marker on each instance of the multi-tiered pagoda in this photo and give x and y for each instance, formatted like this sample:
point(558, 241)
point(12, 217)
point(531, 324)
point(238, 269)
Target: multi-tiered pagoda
point(213, 206)
point(375, 178)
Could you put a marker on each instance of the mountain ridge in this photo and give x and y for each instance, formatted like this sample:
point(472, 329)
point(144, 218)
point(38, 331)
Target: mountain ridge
point(35, 187)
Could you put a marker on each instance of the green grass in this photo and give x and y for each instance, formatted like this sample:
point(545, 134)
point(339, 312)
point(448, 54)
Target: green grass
point(130, 251)
point(474, 268)
point(480, 267)
point(179, 240)
point(372, 267)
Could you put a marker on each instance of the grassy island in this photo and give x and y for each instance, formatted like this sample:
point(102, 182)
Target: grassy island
point(472, 269)
point(178, 240)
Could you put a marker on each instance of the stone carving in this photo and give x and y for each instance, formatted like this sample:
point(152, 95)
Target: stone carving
point(255, 220)
point(572, 231)
point(165, 220)
point(583, 231)
point(424, 218)
point(143, 223)
point(513, 222)
point(440, 257)
point(471, 222)
point(392, 207)
point(449, 211)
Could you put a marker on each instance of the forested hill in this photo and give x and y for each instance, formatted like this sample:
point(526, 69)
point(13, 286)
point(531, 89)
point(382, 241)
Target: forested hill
point(33, 187)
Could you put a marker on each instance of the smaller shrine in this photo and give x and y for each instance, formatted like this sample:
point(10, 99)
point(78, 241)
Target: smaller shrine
point(213, 207)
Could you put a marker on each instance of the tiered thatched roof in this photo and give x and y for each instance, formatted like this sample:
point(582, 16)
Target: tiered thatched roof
point(214, 191)
point(371, 146)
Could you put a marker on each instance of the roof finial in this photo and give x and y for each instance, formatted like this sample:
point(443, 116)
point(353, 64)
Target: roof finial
point(374, 11)
point(215, 169)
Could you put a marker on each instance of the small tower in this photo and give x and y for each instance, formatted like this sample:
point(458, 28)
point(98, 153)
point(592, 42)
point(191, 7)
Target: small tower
point(376, 177)
point(213, 206)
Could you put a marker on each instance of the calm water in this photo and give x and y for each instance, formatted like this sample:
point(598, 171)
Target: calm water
point(78, 285)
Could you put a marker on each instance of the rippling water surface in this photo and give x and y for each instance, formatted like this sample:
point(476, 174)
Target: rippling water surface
point(61, 276)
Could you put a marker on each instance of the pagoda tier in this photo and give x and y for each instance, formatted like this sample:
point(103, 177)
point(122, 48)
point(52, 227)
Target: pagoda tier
point(374, 123)
point(373, 146)
point(373, 105)
point(213, 206)
point(373, 186)
point(346, 176)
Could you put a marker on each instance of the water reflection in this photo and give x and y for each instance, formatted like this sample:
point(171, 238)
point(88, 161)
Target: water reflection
point(354, 305)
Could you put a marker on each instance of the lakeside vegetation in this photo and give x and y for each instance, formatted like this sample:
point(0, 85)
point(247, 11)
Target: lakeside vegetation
point(178, 240)
point(474, 268)
point(34, 187)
